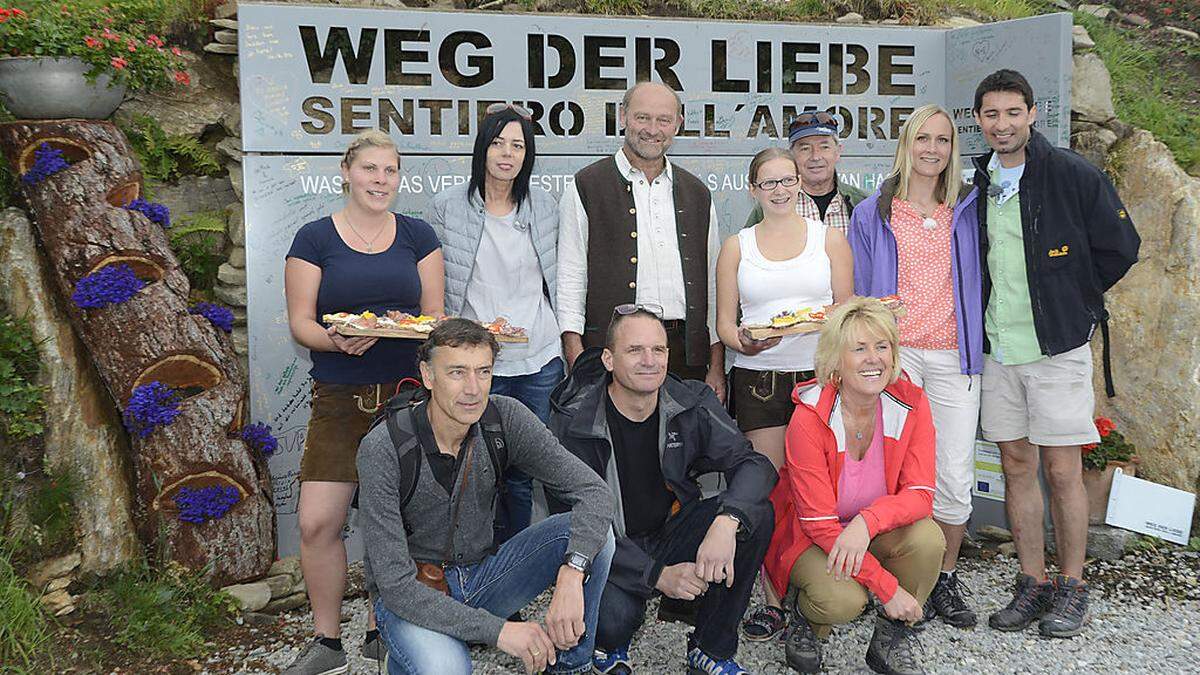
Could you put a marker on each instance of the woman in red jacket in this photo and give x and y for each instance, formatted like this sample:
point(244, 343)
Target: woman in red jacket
point(854, 500)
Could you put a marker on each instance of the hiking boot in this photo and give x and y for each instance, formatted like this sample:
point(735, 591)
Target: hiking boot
point(764, 623)
point(801, 647)
point(317, 659)
point(894, 648)
point(1030, 601)
point(614, 662)
point(700, 663)
point(947, 601)
point(1069, 614)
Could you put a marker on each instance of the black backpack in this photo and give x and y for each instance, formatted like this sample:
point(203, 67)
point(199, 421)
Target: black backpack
point(409, 394)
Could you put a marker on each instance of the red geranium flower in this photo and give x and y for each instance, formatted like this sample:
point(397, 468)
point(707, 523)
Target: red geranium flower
point(119, 63)
point(1088, 448)
point(176, 51)
point(109, 35)
point(154, 41)
point(92, 42)
point(182, 77)
point(1105, 426)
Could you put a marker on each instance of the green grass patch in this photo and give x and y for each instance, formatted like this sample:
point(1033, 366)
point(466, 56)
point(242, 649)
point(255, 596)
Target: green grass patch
point(1140, 80)
point(160, 612)
point(20, 395)
point(24, 631)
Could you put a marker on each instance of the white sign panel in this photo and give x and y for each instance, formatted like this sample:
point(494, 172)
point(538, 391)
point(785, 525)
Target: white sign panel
point(1150, 508)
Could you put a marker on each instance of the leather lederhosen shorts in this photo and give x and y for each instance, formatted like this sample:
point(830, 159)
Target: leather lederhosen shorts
point(763, 398)
point(341, 416)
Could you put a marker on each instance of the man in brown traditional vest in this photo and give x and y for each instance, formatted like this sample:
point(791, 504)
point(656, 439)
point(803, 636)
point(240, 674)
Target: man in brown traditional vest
point(635, 229)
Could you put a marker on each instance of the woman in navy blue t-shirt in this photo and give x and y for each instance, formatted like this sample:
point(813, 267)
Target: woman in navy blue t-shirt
point(363, 257)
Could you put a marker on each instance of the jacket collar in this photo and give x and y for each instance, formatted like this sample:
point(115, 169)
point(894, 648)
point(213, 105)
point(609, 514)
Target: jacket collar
point(825, 402)
point(1036, 151)
point(581, 397)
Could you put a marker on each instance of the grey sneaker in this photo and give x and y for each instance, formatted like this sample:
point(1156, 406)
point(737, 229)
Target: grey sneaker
point(1069, 614)
point(1030, 601)
point(317, 659)
point(894, 648)
point(373, 649)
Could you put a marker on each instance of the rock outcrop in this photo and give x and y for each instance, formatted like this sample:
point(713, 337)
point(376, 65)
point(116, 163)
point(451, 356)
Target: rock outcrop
point(83, 433)
point(1155, 346)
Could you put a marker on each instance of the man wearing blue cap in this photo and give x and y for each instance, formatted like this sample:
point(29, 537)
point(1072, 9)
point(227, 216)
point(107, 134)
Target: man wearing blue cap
point(815, 145)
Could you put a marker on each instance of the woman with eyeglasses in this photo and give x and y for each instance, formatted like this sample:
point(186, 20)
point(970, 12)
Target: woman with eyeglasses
point(500, 238)
point(918, 237)
point(784, 263)
point(361, 258)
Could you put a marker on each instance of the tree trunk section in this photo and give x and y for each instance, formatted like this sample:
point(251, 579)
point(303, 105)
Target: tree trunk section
point(82, 227)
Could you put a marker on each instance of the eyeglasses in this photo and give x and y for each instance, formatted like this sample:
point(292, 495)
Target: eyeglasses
point(630, 308)
point(521, 111)
point(810, 118)
point(772, 183)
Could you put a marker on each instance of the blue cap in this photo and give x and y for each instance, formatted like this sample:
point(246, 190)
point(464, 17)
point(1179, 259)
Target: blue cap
point(818, 123)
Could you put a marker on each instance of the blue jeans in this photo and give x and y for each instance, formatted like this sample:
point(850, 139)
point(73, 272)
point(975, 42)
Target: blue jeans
point(512, 510)
point(502, 583)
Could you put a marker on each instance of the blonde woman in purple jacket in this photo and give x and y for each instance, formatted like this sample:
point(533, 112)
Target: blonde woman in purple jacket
point(918, 237)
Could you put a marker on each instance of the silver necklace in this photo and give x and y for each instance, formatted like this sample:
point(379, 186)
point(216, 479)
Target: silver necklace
point(371, 242)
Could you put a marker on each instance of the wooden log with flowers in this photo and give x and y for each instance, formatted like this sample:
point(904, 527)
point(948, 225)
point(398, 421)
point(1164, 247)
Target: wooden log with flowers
point(202, 481)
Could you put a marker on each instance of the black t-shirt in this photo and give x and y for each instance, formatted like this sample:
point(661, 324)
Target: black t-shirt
point(644, 493)
point(445, 467)
point(823, 201)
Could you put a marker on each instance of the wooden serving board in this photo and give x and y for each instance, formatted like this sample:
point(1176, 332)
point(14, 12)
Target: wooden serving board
point(352, 331)
point(804, 327)
point(794, 329)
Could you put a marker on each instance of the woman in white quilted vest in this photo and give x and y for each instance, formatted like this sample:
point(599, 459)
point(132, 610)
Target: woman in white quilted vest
point(500, 239)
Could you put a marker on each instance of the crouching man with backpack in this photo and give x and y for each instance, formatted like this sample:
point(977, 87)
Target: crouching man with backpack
point(429, 478)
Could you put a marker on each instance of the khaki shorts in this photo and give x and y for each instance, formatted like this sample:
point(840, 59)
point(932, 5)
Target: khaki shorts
point(1050, 402)
point(341, 416)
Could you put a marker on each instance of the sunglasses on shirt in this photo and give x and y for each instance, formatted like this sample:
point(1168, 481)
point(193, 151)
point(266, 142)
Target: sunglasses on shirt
point(630, 308)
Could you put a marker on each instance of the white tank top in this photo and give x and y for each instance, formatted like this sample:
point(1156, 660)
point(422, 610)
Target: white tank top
point(768, 287)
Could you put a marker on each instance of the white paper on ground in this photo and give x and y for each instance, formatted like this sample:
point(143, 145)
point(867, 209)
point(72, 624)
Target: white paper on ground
point(1150, 508)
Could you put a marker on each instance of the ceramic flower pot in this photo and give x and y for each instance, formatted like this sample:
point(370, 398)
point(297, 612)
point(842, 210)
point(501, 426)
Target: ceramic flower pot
point(48, 87)
point(1098, 484)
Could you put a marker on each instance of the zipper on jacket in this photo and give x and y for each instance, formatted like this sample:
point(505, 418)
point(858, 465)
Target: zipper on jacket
point(962, 298)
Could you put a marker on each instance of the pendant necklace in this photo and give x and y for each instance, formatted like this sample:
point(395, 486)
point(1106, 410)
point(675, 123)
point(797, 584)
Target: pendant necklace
point(370, 243)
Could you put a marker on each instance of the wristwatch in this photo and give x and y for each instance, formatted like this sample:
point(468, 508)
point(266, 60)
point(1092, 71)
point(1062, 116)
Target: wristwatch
point(579, 562)
point(732, 516)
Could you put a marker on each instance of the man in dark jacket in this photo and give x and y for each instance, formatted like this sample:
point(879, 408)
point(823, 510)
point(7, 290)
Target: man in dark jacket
point(650, 436)
point(1055, 238)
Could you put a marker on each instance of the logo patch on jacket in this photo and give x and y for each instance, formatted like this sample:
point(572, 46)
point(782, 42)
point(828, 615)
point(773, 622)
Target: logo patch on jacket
point(1121, 214)
point(1059, 252)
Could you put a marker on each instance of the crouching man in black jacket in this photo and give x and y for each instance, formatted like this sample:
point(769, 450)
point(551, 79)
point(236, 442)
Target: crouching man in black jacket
point(650, 436)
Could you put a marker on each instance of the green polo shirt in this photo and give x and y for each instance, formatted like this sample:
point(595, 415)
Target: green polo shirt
point(1008, 318)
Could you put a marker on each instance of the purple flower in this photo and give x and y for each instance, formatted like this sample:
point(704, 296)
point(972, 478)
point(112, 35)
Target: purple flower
point(110, 285)
point(157, 213)
point(151, 406)
point(258, 437)
point(207, 503)
point(47, 161)
point(218, 315)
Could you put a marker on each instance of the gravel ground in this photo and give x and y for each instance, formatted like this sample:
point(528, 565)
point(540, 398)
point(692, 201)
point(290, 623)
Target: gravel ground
point(1145, 618)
